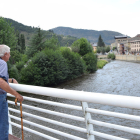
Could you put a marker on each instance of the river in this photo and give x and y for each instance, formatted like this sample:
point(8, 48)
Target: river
point(116, 77)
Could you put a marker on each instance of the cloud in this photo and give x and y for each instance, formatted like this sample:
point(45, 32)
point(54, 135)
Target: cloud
point(129, 1)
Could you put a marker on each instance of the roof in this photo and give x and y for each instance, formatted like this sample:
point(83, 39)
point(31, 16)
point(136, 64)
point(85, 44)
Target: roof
point(138, 35)
point(117, 37)
point(135, 41)
point(134, 38)
point(94, 44)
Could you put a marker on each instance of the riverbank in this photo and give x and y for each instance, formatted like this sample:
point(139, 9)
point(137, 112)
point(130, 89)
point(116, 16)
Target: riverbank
point(129, 58)
point(101, 63)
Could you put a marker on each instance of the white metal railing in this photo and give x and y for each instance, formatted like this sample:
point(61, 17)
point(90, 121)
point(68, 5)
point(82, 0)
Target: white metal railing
point(84, 97)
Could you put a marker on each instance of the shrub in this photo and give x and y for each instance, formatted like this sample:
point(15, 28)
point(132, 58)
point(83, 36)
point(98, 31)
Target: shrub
point(13, 73)
point(107, 49)
point(46, 68)
point(76, 46)
point(52, 43)
point(101, 63)
point(15, 57)
point(91, 61)
point(98, 49)
point(24, 58)
point(114, 48)
point(85, 46)
point(111, 56)
point(20, 65)
point(75, 64)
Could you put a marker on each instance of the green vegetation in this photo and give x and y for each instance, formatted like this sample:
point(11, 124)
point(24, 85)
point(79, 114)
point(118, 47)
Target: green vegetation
point(82, 46)
point(100, 42)
point(91, 62)
point(7, 34)
point(37, 44)
point(29, 32)
point(46, 68)
point(44, 62)
point(90, 35)
point(111, 56)
point(114, 48)
point(66, 36)
point(101, 63)
point(75, 64)
point(103, 49)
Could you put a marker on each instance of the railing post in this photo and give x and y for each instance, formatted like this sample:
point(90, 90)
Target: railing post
point(87, 117)
point(10, 126)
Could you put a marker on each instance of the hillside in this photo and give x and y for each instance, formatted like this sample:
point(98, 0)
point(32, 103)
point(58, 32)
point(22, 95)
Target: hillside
point(91, 35)
point(29, 32)
point(66, 35)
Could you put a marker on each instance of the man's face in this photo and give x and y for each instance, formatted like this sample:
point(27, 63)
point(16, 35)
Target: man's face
point(7, 56)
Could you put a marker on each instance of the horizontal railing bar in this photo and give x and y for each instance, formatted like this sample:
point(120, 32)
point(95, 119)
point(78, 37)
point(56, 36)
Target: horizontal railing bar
point(50, 121)
point(113, 114)
point(98, 98)
point(33, 131)
point(47, 128)
point(50, 103)
point(51, 112)
point(114, 126)
point(106, 136)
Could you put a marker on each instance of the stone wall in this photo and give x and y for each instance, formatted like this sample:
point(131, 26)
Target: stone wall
point(133, 58)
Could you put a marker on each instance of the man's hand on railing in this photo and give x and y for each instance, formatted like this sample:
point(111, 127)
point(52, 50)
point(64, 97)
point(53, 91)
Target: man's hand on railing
point(12, 80)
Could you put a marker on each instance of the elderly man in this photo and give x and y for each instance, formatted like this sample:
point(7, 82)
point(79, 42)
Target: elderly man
point(4, 88)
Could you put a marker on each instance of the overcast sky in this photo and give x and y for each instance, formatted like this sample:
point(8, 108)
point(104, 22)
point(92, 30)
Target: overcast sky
point(115, 15)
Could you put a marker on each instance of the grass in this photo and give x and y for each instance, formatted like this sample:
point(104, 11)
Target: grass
point(101, 63)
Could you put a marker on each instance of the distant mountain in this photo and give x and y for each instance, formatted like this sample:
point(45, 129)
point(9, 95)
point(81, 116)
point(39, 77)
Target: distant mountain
point(29, 32)
point(91, 35)
point(66, 35)
point(21, 27)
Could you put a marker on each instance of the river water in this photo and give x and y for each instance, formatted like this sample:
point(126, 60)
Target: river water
point(117, 77)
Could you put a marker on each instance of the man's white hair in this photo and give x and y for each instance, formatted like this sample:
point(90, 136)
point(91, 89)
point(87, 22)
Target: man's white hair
point(4, 49)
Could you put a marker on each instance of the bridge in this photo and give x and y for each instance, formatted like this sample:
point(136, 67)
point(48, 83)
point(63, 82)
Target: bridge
point(85, 98)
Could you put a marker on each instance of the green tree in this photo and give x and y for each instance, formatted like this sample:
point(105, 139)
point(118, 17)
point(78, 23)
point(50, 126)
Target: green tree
point(76, 46)
point(85, 46)
point(100, 42)
point(52, 43)
point(37, 44)
point(103, 50)
point(107, 49)
point(18, 37)
point(114, 48)
point(111, 56)
point(91, 62)
point(7, 34)
point(15, 56)
point(98, 49)
point(46, 68)
point(75, 63)
point(22, 43)
point(13, 72)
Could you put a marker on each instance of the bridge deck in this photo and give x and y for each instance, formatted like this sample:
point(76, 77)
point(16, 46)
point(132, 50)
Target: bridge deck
point(11, 137)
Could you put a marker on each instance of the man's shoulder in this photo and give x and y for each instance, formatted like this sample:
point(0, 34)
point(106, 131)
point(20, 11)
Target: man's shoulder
point(2, 63)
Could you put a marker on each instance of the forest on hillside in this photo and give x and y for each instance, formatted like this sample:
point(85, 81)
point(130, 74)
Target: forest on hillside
point(29, 32)
point(90, 35)
point(66, 35)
